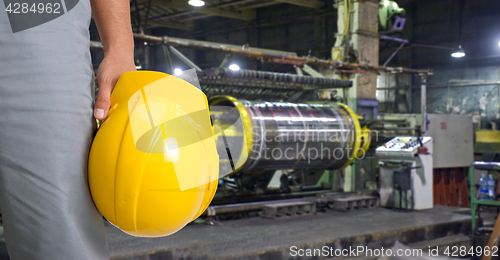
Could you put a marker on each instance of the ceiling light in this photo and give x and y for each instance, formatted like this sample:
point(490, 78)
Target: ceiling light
point(234, 67)
point(459, 53)
point(196, 3)
point(177, 71)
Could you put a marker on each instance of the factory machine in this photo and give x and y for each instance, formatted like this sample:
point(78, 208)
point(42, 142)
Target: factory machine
point(257, 138)
point(406, 173)
point(271, 143)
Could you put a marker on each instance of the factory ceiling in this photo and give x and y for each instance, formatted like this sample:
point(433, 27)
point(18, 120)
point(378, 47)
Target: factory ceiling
point(179, 14)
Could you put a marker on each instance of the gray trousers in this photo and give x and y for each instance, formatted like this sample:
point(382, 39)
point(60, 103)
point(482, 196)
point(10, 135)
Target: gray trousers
point(46, 127)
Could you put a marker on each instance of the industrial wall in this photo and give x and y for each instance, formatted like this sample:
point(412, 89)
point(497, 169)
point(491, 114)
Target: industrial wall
point(468, 85)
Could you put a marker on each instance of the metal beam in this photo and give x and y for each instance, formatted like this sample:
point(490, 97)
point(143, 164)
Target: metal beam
point(164, 9)
point(183, 58)
point(449, 85)
point(423, 102)
point(183, 26)
point(187, 43)
point(312, 71)
point(246, 15)
point(299, 71)
point(394, 39)
point(269, 22)
point(194, 18)
point(275, 56)
point(393, 54)
point(234, 3)
point(257, 5)
point(306, 3)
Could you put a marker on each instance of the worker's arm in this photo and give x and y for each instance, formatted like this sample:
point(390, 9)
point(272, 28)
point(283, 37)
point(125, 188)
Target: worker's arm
point(113, 22)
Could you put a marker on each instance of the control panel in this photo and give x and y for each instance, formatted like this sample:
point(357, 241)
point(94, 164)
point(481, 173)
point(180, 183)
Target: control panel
point(401, 146)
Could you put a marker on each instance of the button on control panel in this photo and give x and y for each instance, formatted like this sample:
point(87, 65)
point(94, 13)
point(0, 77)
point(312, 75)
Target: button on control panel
point(400, 143)
point(406, 146)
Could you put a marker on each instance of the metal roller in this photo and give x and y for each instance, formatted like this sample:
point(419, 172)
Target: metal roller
point(289, 81)
point(287, 135)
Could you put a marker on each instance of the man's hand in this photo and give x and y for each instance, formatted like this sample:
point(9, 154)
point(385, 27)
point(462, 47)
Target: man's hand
point(112, 18)
point(109, 71)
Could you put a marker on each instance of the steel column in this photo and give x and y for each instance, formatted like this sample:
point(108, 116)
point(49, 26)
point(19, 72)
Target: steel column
point(424, 104)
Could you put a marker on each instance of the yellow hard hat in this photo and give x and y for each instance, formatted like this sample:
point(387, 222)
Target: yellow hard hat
point(153, 165)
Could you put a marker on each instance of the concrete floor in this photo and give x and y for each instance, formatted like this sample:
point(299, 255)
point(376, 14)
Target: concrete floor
point(260, 238)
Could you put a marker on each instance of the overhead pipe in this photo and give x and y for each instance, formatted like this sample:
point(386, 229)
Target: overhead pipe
point(273, 56)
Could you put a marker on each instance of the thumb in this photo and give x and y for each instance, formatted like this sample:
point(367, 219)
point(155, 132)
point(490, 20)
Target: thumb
point(103, 100)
